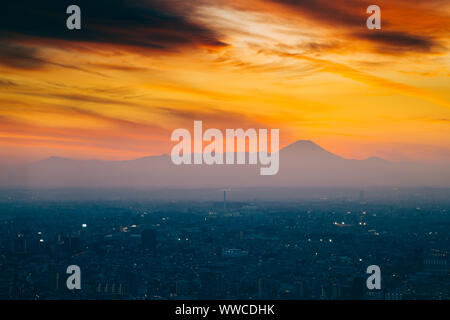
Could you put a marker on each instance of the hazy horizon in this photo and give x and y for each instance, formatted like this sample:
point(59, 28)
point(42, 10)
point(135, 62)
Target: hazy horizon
point(301, 164)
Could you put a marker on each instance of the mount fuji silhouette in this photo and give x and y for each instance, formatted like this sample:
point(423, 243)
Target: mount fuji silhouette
point(302, 164)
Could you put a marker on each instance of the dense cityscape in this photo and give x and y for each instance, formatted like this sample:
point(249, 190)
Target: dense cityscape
point(317, 248)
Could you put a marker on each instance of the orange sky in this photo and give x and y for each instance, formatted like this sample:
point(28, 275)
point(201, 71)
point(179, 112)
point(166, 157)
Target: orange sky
point(118, 88)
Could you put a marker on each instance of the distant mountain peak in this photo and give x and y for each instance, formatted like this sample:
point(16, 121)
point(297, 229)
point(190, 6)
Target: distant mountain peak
point(376, 159)
point(302, 163)
point(308, 148)
point(305, 143)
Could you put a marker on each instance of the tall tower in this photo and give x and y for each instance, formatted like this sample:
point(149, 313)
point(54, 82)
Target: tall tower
point(224, 199)
point(361, 195)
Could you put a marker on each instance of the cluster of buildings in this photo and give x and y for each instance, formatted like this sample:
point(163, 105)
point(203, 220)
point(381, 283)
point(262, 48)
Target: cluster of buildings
point(317, 249)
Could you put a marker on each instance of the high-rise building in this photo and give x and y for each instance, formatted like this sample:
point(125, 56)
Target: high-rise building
point(20, 244)
point(436, 263)
point(71, 244)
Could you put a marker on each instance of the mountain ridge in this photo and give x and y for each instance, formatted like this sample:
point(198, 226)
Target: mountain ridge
point(306, 145)
point(301, 164)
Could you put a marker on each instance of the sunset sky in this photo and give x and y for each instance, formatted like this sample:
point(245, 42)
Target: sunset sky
point(137, 70)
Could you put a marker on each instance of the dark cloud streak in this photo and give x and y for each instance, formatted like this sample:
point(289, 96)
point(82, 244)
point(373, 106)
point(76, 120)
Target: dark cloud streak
point(145, 25)
point(398, 42)
point(350, 15)
point(20, 57)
